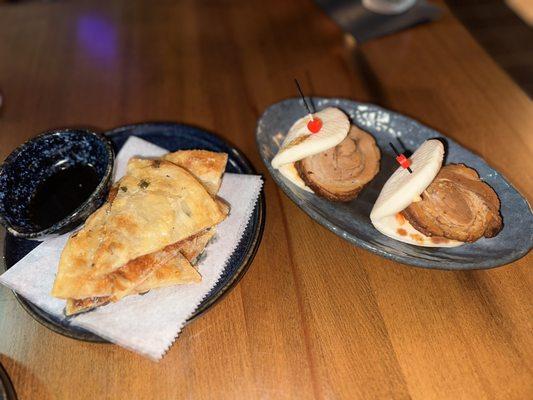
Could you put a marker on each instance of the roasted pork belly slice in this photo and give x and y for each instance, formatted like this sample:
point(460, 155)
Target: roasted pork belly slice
point(341, 172)
point(457, 205)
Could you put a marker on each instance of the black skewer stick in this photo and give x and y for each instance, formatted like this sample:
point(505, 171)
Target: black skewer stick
point(394, 149)
point(303, 98)
point(398, 154)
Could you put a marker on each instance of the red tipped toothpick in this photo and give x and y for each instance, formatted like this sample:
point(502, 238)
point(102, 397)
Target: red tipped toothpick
point(316, 123)
point(402, 159)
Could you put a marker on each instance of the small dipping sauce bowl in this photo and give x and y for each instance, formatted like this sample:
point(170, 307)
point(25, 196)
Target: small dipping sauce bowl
point(53, 182)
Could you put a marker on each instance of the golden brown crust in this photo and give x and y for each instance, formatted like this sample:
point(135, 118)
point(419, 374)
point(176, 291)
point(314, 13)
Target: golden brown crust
point(177, 271)
point(193, 247)
point(159, 269)
point(164, 267)
point(207, 166)
point(154, 200)
point(76, 306)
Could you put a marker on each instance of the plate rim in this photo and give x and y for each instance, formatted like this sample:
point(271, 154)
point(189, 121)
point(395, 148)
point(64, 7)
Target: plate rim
point(42, 317)
point(354, 240)
point(7, 388)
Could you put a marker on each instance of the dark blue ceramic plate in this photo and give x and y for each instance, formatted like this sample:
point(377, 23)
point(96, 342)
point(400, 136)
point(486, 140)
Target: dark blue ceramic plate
point(171, 137)
point(7, 392)
point(351, 220)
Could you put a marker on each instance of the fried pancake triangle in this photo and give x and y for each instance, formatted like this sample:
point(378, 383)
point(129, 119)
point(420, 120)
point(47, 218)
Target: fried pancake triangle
point(206, 166)
point(170, 266)
point(158, 219)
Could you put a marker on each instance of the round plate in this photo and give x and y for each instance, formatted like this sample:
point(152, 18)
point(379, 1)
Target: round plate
point(171, 137)
point(7, 392)
point(351, 220)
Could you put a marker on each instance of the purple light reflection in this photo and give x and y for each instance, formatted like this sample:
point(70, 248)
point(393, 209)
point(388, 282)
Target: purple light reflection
point(98, 36)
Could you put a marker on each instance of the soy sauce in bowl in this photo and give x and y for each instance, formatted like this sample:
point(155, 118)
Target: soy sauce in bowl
point(62, 193)
point(52, 183)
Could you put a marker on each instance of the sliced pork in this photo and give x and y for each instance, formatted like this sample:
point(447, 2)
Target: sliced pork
point(341, 172)
point(456, 205)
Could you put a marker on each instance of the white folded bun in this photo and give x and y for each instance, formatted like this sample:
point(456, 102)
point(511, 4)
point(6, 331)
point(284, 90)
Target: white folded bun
point(289, 172)
point(402, 189)
point(300, 142)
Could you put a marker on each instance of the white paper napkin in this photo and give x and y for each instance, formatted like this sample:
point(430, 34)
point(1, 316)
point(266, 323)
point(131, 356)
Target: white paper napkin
point(146, 324)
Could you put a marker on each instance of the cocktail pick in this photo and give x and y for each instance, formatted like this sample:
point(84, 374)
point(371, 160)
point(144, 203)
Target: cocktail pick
point(402, 159)
point(316, 123)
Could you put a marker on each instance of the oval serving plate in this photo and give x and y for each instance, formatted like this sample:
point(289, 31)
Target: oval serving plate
point(351, 220)
point(172, 137)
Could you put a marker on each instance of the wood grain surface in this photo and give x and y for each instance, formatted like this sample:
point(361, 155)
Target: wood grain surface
point(315, 317)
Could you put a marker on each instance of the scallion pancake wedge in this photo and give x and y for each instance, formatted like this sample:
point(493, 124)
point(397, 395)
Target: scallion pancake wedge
point(167, 267)
point(157, 204)
point(208, 168)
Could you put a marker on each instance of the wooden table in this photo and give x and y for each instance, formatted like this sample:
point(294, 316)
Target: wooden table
point(315, 317)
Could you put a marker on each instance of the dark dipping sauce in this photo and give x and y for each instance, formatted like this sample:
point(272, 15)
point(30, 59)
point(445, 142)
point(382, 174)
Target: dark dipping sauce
point(60, 194)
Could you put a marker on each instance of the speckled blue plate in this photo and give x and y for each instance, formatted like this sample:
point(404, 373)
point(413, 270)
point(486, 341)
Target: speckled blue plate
point(171, 137)
point(351, 220)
